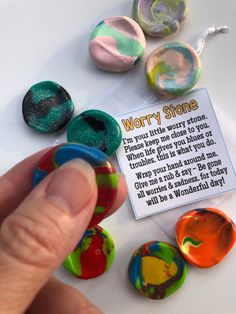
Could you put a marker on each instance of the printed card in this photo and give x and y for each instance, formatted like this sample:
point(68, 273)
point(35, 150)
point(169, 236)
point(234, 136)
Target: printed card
point(173, 153)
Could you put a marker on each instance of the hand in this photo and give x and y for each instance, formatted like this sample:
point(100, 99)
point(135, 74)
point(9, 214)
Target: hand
point(39, 228)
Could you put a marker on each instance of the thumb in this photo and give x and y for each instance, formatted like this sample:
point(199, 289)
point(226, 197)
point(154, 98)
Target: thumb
point(42, 231)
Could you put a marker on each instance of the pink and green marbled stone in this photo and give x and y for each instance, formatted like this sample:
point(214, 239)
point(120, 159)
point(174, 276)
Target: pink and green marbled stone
point(117, 44)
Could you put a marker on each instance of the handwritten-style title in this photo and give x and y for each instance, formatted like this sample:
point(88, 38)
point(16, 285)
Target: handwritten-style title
point(170, 112)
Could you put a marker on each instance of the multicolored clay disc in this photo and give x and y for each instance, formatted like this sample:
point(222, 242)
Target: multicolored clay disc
point(117, 44)
point(106, 176)
point(205, 236)
point(95, 128)
point(47, 107)
point(173, 69)
point(157, 270)
point(159, 18)
point(93, 255)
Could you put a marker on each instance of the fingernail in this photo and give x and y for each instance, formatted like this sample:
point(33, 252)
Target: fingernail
point(72, 185)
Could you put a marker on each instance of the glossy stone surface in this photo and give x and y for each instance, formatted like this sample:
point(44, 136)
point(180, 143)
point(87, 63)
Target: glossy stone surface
point(159, 18)
point(93, 255)
point(157, 270)
point(47, 107)
point(117, 44)
point(205, 236)
point(106, 176)
point(173, 69)
point(97, 129)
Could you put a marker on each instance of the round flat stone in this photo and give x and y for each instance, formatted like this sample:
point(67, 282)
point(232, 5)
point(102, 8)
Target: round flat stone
point(47, 107)
point(157, 270)
point(205, 236)
point(173, 69)
point(106, 176)
point(95, 128)
point(117, 44)
point(159, 18)
point(93, 256)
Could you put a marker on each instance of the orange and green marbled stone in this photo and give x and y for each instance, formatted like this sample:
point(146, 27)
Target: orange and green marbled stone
point(205, 236)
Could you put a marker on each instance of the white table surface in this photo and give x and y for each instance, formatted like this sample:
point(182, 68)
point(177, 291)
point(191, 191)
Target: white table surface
point(47, 40)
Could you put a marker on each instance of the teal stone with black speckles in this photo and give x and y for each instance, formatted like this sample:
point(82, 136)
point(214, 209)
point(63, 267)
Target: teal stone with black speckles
point(47, 107)
point(97, 129)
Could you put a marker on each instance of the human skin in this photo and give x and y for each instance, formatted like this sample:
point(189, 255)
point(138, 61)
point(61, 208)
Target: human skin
point(28, 252)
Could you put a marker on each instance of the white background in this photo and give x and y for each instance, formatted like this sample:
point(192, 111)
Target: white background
point(47, 40)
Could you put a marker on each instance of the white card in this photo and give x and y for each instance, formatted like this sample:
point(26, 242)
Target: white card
point(173, 153)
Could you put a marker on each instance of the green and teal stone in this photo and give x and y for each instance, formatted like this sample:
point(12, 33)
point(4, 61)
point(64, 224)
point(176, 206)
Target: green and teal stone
point(47, 107)
point(97, 129)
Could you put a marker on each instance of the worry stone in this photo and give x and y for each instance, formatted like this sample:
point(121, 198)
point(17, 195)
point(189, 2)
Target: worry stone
point(157, 270)
point(93, 256)
point(205, 236)
point(159, 18)
point(106, 176)
point(173, 69)
point(117, 44)
point(95, 128)
point(47, 107)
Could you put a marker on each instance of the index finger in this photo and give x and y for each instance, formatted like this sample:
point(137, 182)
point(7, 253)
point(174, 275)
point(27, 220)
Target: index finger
point(16, 184)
